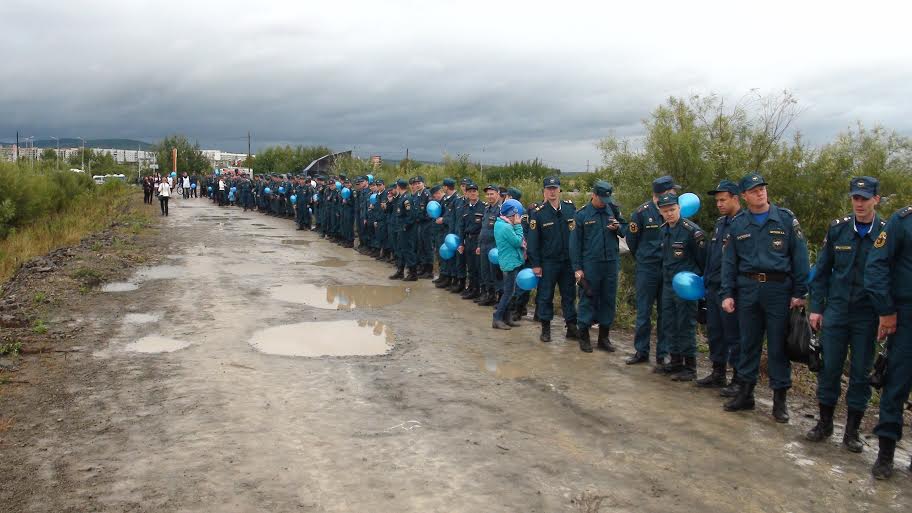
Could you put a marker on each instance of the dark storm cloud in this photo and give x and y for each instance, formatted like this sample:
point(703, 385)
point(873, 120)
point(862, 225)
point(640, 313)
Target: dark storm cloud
point(497, 80)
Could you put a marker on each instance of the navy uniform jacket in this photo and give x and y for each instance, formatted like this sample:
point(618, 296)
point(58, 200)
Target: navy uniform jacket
point(838, 283)
point(469, 220)
point(712, 271)
point(888, 278)
point(683, 248)
point(549, 233)
point(421, 199)
point(590, 238)
point(486, 235)
point(643, 234)
point(776, 246)
point(454, 206)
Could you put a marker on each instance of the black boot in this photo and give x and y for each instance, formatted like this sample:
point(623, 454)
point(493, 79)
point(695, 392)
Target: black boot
point(637, 358)
point(471, 292)
point(444, 282)
point(688, 372)
point(673, 365)
point(438, 279)
point(572, 331)
point(427, 271)
point(744, 400)
point(780, 405)
point(458, 285)
point(412, 276)
point(604, 343)
point(732, 389)
point(546, 331)
point(399, 274)
point(482, 297)
point(584, 342)
point(714, 380)
point(824, 427)
point(883, 467)
point(850, 439)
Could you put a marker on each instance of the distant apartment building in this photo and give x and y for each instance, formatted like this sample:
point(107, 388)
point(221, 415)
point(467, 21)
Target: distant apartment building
point(220, 158)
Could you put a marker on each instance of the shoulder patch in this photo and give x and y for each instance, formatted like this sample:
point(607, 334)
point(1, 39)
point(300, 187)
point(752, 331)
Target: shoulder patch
point(687, 223)
point(532, 224)
point(905, 212)
point(633, 227)
point(881, 240)
point(538, 208)
point(572, 224)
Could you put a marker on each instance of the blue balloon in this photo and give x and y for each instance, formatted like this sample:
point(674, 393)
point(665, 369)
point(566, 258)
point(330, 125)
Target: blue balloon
point(210, 188)
point(218, 172)
point(370, 178)
point(316, 198)
point(281, 190)
point(434, 209)
point(193, 186)
point(526, 279)
point(492, 256)
point(689, 203)
point(267, 191)
point(688, 286)
point(338, 186)
point(233, 189)
point(173, 174)
point(346, 193)
point(231, 196)
point(446, 252)
point(452, 241)
point(373, 198)
point(293, 199)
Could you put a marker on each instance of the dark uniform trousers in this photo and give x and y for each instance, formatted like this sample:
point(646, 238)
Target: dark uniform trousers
point(855, 333)
point(898, 378)
point(558, 274)
point(764, 307)
point(680, 321)
point(603, 281)
point(722, 331)
point(649, 285)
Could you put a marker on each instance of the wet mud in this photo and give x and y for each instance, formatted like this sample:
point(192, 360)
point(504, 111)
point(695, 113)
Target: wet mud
point(236, 394)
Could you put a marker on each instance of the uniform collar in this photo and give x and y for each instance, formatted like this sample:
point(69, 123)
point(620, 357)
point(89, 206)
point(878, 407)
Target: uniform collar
point(874, 223)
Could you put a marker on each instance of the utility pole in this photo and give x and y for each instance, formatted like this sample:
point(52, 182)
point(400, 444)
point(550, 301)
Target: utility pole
point(248, 149)
point(587, 165)
point(58, 151)
point(83, 153)
point(17, 147)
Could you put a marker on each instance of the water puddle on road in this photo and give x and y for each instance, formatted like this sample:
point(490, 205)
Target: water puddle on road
point(156, 344)
point(159, 272)
point(265, 228)
point(333, 338)
point(328, 262)
point(296, 242)
point(119, 286)
point(140, 318)
point(341, 297)
point(502, 370)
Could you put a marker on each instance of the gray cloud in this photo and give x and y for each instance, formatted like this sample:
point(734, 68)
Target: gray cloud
point(498, 80)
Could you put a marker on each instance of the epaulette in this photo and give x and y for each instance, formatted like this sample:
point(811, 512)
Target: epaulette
point(568, 201)
point(905, 212)
point(690, 225)
point(642, 207)
point(789, 212)
point(840, 220)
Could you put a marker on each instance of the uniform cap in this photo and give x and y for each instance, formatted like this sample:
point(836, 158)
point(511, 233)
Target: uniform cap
point(664, 183)
point(668, 199)
point(551, 181)
point(752, 180)
point(514, 193)
point(449, 182)
point(864, 186)
point(603, 190)
point(726, 186)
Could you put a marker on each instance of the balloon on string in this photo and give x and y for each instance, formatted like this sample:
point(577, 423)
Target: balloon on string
point(688, 286)
point(434, 209)
point(209, 188)
point(689, 203)
point(173, 174)
point(492, 256)
point(281, 190)
point(293, 199)
point(526, 279)
point(193, 186)
point(338, 186)
point(446, 252)
point(452, 241)
point(267, 191)
point(346, 193)
point(370, 178)
point(373, 198)
point(233, 189)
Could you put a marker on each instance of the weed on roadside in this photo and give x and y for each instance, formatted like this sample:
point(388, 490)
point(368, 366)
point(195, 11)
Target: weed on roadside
point(39, 327)
point(39, 297)
point(88, 277)
point(11, 348)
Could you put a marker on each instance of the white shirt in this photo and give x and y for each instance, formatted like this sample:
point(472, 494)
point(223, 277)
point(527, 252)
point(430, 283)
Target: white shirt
point(221, 185)
point(164, 190)
point(186, 182)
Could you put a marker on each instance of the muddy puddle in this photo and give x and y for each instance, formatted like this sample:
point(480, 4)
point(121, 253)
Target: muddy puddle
point(296, 242)
point(501, 369)
point(341, 297)
point(333, 338)
point(265, 228)
point(159, 272)
point(328, 262)
point(140, 318)
point(156, 344)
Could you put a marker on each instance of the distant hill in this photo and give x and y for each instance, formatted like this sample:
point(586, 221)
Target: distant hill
point(66, 142)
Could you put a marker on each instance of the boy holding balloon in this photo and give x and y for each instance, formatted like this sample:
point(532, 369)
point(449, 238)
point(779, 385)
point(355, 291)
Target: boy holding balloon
point(511, 255)
point(683, 257)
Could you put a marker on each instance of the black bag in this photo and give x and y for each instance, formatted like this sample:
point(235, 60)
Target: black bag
point(701, 311)
point(801, 344)
point(880, 367)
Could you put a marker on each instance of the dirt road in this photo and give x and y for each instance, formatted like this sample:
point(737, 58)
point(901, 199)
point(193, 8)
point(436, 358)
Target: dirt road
point(190, 395)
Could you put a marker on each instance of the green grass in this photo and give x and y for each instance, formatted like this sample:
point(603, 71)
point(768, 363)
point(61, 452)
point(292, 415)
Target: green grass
point(11, 348)
point(39, 327)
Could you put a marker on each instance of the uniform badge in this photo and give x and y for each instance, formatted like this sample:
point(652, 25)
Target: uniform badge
point(678, 253)
point(407, 205)
point(532, 224)
point(881, 240)
point(634, 228)
point(778, 244)
point(572, 224)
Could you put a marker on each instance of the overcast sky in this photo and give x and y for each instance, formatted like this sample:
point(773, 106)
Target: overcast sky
point(497, 80)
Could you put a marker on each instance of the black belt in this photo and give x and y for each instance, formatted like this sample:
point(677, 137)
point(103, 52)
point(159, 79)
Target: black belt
point(765, 277)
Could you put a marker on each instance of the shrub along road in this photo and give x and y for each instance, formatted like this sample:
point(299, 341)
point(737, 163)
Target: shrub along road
point(182, 392)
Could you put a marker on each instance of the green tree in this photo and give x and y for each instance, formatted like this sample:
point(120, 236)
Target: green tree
point(190, 158)
point(49, 155)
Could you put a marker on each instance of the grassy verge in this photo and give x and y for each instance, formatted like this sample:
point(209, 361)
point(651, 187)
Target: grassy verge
point(90, 212)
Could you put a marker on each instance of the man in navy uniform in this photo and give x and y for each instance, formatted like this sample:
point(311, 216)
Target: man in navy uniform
point(595, 258)
point(764, 274)
point(549, 256)
point(468, 229)
point(644, 239)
